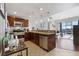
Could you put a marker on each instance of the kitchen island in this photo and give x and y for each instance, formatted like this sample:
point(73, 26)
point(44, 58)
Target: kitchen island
point(45, 40)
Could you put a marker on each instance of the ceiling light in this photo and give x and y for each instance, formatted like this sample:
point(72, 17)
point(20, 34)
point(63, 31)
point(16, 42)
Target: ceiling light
point(41, 9)
point(14, 12)
point(41, 20)
point(30, 16)
point(48, 19)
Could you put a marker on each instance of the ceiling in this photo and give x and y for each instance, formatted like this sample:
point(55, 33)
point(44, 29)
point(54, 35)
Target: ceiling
point(26, 10)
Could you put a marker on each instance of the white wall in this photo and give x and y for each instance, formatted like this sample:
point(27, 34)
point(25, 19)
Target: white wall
point(2, 27)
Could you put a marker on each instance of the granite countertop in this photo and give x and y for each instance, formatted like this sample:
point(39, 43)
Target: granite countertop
point(44, 33)
point(19, 33)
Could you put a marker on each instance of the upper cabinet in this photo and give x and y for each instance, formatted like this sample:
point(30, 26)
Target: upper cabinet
point(12, 20)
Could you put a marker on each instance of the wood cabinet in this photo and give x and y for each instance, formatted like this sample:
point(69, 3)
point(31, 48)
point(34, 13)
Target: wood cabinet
point(12, 19)
point(47, 42)
point(51, 41)
point(32, 37)
point(35, 38)
point(27, 36)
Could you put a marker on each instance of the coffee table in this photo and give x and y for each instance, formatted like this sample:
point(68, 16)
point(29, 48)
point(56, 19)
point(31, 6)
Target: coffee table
point(19, 49)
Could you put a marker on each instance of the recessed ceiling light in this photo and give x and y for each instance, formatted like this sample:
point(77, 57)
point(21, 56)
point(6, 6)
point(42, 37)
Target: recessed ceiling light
point(41, 9)
point(48, 19)
point(41, 20)
point(14, 12)
point(30, 16)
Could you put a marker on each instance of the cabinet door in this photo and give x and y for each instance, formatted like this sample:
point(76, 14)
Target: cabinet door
point(51, 42)
point(11, 20)
point(36, 39)
point(25, 23)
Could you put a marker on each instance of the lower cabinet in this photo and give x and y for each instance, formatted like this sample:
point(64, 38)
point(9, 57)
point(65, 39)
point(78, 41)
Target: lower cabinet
point(46, 42)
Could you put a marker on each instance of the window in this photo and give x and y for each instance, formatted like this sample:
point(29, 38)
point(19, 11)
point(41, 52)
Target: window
point(67, 26)
point(63, 26)
point(75, 23)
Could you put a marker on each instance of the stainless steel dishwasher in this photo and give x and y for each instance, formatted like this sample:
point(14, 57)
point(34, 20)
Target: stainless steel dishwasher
point(43, 42)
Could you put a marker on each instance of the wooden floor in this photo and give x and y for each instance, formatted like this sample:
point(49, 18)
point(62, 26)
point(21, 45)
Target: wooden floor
point(67, 44)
